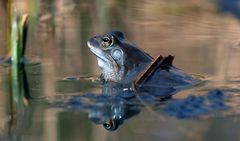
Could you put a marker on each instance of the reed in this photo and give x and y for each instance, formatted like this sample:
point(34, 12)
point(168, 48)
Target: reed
point(17, 36)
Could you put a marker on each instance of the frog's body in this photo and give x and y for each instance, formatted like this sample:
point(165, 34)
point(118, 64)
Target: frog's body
point(122, 62)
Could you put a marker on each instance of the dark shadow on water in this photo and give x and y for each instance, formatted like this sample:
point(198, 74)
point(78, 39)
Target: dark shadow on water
point(193, 106)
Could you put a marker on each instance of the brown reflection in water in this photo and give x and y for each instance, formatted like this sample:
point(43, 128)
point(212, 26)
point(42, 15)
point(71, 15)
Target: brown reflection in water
point(193, 37)
point(3, 29)
point(192, 31)
point(4, 104)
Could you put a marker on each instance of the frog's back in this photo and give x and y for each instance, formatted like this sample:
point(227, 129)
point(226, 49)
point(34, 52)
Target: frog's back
point(162, 74)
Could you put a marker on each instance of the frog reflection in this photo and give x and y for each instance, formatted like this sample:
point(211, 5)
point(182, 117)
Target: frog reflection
point(120, 105)
point(116, 104)
point(115, 112)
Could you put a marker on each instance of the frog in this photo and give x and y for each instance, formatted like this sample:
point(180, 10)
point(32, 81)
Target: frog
point(120, 60)
point(123, 62)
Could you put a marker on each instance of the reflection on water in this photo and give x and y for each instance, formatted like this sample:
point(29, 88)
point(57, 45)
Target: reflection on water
point(203, 41)
point(113, 106)
point(116, 103)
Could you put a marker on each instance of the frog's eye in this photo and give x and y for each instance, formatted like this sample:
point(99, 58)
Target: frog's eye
point(107, 41)
point(109, 125)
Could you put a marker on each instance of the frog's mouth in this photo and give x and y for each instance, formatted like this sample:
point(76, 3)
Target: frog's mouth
point(97, 52)
point(105, 61)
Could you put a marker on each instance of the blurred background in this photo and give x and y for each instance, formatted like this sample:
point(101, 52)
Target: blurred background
point(203, 35)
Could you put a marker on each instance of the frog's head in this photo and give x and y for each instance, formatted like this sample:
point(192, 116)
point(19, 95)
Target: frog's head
point(116, 56)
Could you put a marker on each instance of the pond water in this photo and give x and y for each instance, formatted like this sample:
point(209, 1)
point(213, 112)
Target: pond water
point(204, 37)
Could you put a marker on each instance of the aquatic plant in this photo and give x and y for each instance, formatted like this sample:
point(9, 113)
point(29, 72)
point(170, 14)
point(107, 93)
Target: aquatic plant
point(17, 35)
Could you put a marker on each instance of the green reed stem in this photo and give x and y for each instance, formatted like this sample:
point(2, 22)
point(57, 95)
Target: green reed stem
point(17, 44)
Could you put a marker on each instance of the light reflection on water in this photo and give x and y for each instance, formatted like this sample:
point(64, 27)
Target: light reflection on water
point(203, 41)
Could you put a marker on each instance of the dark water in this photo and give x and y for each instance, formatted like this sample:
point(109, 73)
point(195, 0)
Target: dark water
point(203, 35)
